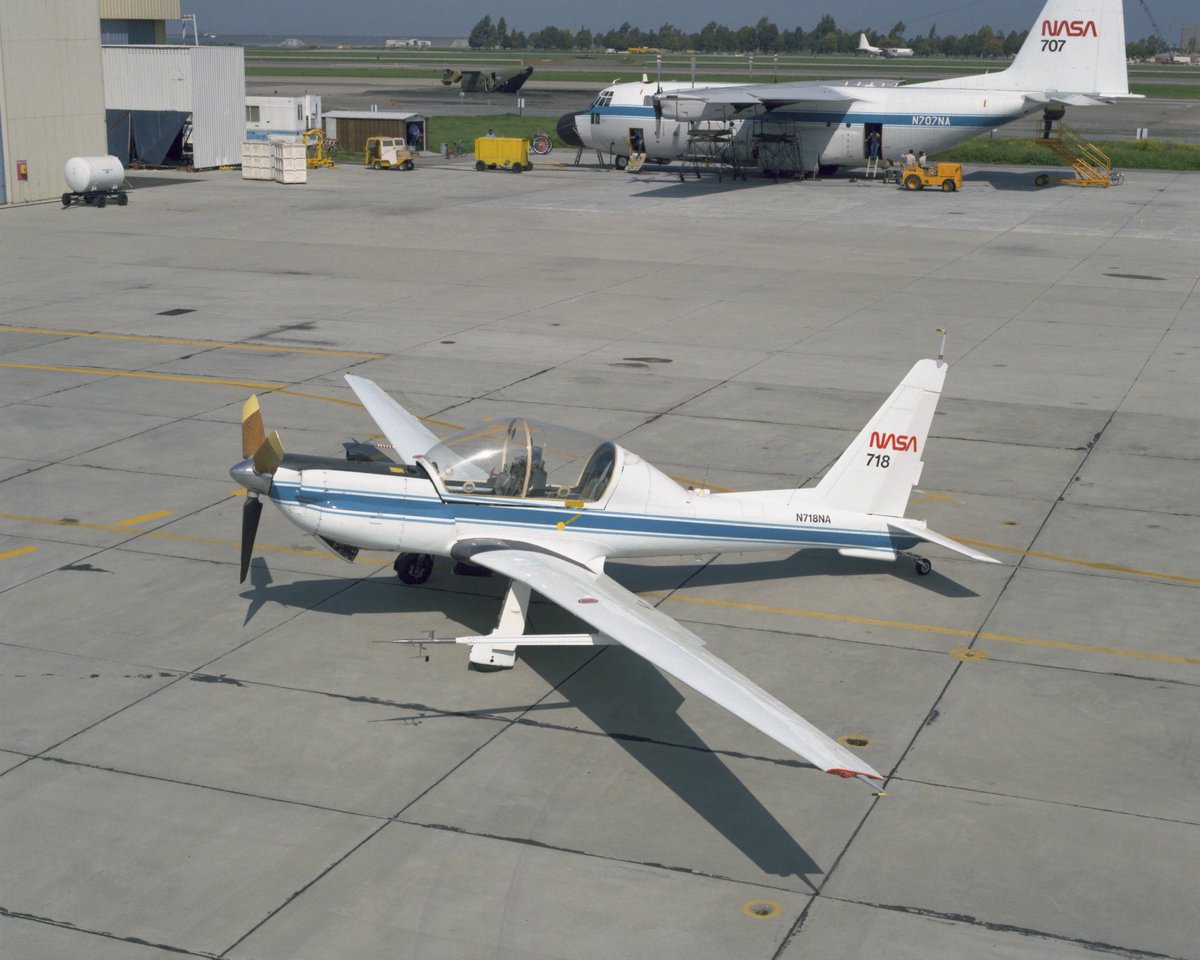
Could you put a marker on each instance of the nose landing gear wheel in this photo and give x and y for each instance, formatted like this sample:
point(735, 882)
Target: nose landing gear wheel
point(413, 568)
point(923, 565)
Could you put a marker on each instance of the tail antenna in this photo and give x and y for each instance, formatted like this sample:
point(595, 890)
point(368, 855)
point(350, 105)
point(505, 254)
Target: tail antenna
point(942, 349)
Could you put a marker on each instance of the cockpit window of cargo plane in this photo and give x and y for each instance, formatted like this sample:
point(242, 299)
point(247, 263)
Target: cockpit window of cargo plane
point(604, 98)
point(524, 458)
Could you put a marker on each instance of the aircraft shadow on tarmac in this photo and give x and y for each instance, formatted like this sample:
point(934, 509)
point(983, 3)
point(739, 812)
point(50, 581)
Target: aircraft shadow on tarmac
point(636, 707)
point(1020, 180)
point(624, 697)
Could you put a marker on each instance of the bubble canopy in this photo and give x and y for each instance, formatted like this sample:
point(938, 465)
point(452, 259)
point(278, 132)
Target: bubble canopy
point(526, 459)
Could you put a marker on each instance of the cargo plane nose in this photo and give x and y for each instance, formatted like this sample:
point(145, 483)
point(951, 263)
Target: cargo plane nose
point(567, 132)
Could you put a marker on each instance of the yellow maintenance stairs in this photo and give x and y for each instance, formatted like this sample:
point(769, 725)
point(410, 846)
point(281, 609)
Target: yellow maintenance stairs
point(1091, 165)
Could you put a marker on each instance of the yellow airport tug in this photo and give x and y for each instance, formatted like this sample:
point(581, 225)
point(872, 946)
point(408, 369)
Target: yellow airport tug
point(948, 176)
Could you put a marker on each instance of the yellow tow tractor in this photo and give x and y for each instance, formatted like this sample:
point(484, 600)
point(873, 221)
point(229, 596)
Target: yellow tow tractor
point(948, 176)
point(388, 153)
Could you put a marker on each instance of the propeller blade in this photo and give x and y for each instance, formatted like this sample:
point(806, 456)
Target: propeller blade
point(251, 511)
point(252, 427)
point(269, 454)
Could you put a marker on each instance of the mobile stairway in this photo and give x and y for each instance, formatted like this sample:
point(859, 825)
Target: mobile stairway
point(1091, 164)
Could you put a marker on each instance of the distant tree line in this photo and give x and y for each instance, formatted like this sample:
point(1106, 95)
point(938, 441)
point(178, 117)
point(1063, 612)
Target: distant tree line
point(764, 37)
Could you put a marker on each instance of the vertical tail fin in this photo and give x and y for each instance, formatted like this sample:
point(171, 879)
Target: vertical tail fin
point(1074, 46)
point(877, 472)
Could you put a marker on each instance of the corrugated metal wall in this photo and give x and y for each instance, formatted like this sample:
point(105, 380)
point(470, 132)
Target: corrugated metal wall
point(51, 92)
point(208, 82)
point(219, 105)
point(139, 9)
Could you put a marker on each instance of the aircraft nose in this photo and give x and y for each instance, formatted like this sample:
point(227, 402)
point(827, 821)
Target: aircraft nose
point(566, 130)
point(243, 472)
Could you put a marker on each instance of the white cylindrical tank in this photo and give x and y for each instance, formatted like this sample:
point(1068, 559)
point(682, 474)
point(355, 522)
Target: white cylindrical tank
point(89, 174)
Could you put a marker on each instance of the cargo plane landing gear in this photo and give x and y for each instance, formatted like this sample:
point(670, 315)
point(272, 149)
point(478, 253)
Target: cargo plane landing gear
point(922, 565)
point(414, 568)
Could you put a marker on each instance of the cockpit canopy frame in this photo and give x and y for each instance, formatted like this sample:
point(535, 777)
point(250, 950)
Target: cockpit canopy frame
point(525, 460)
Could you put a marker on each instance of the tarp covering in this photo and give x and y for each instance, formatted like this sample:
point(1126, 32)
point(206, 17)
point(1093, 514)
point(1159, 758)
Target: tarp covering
point(144, 135)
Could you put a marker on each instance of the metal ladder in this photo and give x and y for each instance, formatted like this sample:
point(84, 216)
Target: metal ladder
point(1091, 164)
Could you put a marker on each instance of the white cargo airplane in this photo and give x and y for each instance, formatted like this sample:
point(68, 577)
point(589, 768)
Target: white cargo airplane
point(1073, 56)
point(545, 506)
point(863, 44)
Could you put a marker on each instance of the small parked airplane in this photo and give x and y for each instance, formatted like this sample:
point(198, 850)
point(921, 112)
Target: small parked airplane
point(882, 51)
point(487, 81)
point(546, 506)
point(1073, 56)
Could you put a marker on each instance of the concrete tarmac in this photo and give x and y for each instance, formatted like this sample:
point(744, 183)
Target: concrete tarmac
point(189, 767)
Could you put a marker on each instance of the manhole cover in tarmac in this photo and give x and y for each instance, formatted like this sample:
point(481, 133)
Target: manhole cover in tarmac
point(761, 909)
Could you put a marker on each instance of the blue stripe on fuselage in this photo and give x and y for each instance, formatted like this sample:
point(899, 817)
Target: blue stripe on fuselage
point(420, 509)
point(783, 115)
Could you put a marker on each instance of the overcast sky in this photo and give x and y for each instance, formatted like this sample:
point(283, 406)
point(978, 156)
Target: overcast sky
point(389, 18)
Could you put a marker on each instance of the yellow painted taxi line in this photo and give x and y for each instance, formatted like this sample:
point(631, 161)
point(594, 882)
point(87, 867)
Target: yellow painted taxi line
point(134, 521)
point(213, 381)
point(219, 344)
point(1092, 564)
point(141, 375)
point(180, 537)
point(18, 552)
point(932, 628)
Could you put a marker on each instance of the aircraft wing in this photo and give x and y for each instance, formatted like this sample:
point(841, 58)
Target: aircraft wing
point(631, 621)
point(718, 103)
point(408, 435)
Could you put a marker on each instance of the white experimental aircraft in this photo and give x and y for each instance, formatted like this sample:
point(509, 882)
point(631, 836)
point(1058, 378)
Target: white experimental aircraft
point(1073, 56)
point(864, 44)
point(545, 506)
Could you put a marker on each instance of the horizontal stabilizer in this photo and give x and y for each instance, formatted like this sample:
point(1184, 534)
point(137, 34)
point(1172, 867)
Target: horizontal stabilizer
point(918, 529)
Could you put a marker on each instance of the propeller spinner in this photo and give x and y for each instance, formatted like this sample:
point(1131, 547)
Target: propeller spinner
point(262, 455)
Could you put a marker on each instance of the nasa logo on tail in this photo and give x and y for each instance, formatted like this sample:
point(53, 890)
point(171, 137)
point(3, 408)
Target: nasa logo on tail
point(1072, 28)
point(893, 441)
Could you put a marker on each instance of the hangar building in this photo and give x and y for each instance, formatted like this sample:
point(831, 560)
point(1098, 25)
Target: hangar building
point(91, 77)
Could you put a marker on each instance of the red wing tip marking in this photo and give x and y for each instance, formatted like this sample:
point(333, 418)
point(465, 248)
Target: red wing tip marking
point(587, 600)
point(847, 774)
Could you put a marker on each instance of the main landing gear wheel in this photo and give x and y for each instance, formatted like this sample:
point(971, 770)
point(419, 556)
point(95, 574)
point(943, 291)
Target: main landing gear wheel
point(413, 568)
point(922, 565)
point(620, 162)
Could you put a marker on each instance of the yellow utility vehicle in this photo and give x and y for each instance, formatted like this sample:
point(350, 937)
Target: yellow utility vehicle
point(948, 176)
point(511, 152)
point(388, 153)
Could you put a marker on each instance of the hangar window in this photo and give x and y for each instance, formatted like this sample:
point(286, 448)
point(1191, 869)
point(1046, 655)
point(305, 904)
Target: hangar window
point(252, 112)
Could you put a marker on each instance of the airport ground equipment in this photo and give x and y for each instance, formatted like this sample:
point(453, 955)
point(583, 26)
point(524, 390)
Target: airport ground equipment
point(948, 176)
point(388, 153)
point(95, 180)
point(509, 152)
point(318, 148)
point(1091, 164)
